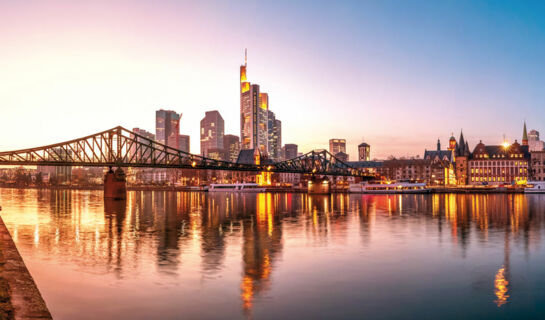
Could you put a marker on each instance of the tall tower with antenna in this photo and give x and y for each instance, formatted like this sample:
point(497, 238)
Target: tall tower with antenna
point(254, 109)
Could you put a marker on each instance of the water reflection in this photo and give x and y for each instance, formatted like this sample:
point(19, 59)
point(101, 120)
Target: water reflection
point(196, 232)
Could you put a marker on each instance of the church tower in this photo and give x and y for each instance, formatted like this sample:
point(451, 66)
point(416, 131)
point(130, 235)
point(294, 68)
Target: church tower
point(452, 143)
point(524, 135)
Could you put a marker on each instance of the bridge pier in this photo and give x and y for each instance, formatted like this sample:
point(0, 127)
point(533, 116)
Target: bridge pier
point(319, 185)
point(115, 185)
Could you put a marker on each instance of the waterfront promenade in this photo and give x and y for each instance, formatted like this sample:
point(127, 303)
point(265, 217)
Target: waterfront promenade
point(20, 298)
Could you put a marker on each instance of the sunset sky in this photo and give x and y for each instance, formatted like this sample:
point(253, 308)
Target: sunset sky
point(398, 74)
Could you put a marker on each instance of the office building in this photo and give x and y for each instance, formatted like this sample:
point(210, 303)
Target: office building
point(212, 129)
point(337, 145)
point(290, 151)
point(275, 136)
point(167, 127)
point(231, 146)
point(141, 136)
point(533, 141)
point(184, 143)
point(144, 133)
point(254, 107)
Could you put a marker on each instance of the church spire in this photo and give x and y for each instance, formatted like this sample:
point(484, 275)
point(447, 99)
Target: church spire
point(524, 135)
point(461, 144)
point(462, 141)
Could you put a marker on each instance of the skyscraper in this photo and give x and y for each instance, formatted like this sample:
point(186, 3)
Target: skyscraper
point(167, 127)
point(184, 143)
point(231, 145)
point(141, 133)
point(275, 136)
point(533, 141)
point(290, 151)
point(144, 133)
point(254, 107)
point(337, 145)
point(212, 129)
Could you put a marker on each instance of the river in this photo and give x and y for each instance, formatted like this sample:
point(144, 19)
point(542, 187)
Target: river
point(173, 255)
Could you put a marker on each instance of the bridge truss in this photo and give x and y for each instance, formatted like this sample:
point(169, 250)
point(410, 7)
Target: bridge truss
point(120, 147)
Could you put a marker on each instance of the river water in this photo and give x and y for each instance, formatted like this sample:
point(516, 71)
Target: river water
point(174, 255)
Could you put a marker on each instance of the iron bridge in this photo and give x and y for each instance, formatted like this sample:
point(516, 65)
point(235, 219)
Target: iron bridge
point(120, 147)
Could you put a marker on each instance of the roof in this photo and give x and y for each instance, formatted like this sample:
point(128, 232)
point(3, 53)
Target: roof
point(363, 144)
point(365, 164)
point(246, 156)
point(441, 154)
point(499, 151)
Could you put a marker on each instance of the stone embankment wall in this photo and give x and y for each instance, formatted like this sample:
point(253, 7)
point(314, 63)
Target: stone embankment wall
point(19, 296)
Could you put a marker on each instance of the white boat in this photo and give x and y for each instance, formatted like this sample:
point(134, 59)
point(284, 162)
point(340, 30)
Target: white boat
point(535, 187)
point(235, 187)
point(392, 187)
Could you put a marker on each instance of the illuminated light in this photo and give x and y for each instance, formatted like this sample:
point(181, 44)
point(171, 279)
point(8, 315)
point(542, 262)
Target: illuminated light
point(505, 144)
point(243, 77)
point(247, 292)
point(244, 87)
point(193, 164)
point(264, 97)
point(500, 287)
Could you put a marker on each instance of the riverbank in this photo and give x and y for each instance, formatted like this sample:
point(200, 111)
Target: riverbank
point(19, 295)
point(469, 189)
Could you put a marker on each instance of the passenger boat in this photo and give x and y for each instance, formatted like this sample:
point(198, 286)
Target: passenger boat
point(535, 187)
point(235, 187)
point(392, 187)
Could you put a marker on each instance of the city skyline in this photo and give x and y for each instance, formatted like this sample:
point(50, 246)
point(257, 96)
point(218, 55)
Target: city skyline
point(426, 80)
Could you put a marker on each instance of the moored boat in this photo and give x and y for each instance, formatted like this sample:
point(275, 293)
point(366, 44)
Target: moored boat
point(235, 187)
point(535, 187)
point(388, 187)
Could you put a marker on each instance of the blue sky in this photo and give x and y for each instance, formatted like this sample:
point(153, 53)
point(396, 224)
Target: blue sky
point(398, 74)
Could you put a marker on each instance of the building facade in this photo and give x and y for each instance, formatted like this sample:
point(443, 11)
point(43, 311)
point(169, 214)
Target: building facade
point(403, 169)
point(184, 143)
point(337, 145)
point(141, 136)
point(533, 141)
point(499, 164)
point(461, 161)
point(275, 136)
point(231, 146)
point(167, 127)
point(364, 152)
point(537, 165)
point(144, 133)
point(442, 168)
point(212, 130)
point(290, 151)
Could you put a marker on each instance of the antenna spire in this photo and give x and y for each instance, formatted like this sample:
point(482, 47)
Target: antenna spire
point(245, 56)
